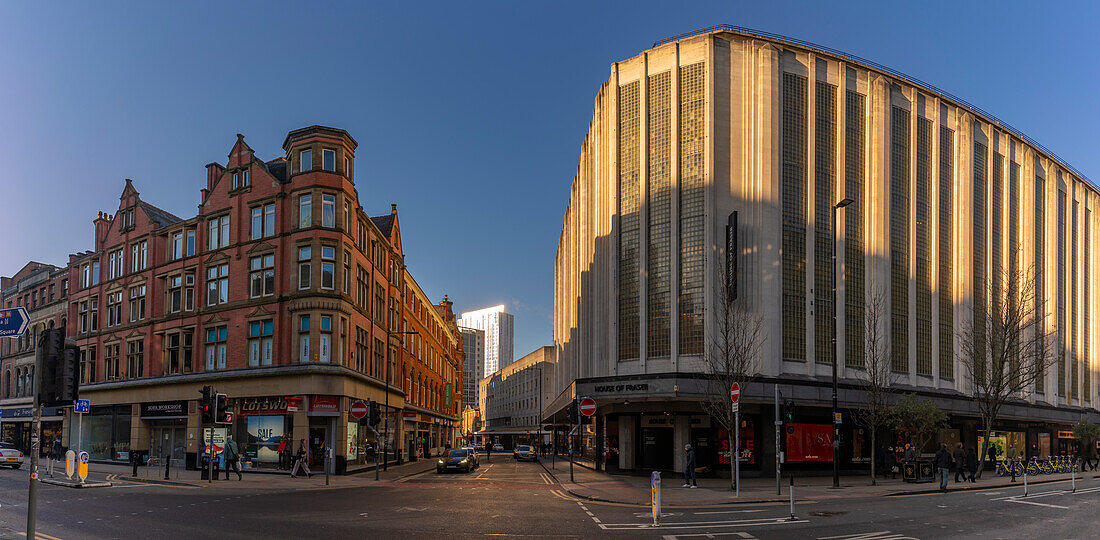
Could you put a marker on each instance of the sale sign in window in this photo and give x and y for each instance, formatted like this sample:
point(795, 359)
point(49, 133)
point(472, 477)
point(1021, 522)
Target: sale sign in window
point(809, 442)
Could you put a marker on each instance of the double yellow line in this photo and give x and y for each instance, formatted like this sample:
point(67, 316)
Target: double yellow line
point(43, 535)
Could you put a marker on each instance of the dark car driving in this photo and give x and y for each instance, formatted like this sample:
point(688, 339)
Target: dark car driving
point(524, 452)
point(458, 459)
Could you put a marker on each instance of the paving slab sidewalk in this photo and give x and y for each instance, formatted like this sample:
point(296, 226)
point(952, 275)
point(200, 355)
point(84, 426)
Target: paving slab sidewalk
point(628, 489)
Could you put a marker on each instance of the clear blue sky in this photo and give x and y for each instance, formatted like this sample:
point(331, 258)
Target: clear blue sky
point(469, 115)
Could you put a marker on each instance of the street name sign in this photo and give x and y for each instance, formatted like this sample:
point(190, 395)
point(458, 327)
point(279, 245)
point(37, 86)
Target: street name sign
point(13, 321)
point(588, 406)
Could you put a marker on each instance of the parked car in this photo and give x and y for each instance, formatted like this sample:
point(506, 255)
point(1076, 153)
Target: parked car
point(458, 459)
point(498, 447)
point(10, 456)
point(525, 452)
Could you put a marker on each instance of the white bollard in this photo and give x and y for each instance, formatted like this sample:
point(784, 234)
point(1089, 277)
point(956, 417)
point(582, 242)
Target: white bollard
point(1025, 481)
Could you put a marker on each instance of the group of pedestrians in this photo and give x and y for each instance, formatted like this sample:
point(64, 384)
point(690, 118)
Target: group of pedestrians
point(963, 461)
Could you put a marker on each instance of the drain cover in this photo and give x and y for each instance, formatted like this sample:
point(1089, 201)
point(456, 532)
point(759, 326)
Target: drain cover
point(827, 514)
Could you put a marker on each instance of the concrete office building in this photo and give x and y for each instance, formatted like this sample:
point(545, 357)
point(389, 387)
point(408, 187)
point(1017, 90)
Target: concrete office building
point(728, 119)
point(512, 400)
point(498, 326)
point(473, 368)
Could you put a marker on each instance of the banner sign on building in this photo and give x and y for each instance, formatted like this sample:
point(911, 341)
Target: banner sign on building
point(261, 405)
point(164, 409)
point(324, 404)
point(447, 396)
point(731, 257)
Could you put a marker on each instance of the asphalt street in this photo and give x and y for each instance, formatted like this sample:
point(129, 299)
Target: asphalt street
point(509, 499)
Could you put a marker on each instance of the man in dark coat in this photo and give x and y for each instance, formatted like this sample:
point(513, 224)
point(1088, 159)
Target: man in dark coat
point(943, 465)
point(959, 455)
point(971, 463)
point(689, 467)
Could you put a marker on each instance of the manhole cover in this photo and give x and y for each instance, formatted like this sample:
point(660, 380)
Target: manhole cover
point(827, 514)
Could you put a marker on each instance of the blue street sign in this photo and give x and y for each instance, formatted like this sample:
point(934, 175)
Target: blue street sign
point(82, 406)
point(83, 457)
point(13, 321)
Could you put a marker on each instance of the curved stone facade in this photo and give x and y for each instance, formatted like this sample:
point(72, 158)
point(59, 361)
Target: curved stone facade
point(779, 131)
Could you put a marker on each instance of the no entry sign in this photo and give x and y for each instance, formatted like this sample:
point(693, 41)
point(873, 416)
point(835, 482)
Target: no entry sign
point(588, 406)
point(735, 392)
point(358, 410)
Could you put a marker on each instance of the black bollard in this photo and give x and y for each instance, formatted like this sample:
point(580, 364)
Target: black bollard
point(167, 463)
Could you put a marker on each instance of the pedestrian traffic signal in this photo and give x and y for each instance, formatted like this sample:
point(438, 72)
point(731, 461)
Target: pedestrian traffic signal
point(206, 405)
point(221, 409)
point(374, 414)
point(58, 384)
point(788, 411)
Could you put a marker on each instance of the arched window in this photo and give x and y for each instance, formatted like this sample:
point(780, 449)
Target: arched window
point(18, 382)
point(7, 383)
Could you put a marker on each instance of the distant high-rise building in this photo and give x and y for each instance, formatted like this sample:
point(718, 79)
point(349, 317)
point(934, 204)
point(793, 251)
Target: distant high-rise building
point(473, 368)
point(498, 327)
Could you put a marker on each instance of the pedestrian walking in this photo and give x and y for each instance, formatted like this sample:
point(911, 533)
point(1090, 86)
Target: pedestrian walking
point(993, 454)
point(1012, 455)
point(971, 463)
point(880, 460)
point(689, 467)
point(301, 461)
point(959, 455)
point(284, 452)
point(943, 463)
point(232, 458)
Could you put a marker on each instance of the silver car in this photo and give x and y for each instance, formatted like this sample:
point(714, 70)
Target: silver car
point(10, 456)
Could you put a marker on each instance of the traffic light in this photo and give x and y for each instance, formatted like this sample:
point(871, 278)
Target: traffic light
point(58, 383)
point(788, 411)
point(206, 406)
point(221, 409)
point(571, 413)
point(374, 414)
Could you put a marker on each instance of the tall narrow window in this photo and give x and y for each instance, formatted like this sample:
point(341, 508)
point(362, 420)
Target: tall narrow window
point(328, 160)
point(303, 339)
point(110, 361)
point(854, 324)
point(114, 309)
point(824, 198)
point(217, 284)
point(137, 303)
point(1074, 380)
point(922, 208)
point(1060, 291)
point(997, 269)
point(218, 232)
point(1085, 358)
point(215, 347)
point(946, 279)
point(177, 246)
point(305, 267)
point(978, 209)
point(260, 342)
point(305, 211)
point(305, 161)
point(629, 205)
point(658, 251)
point(135, 359)
point(261, 276)
point(190, 247)
point(328, 272)
point(794, 133)
point(139, 256)
point(692, 182)
point(1039, 256)
point(328, 210)
point(899, 240)
point(324, 344)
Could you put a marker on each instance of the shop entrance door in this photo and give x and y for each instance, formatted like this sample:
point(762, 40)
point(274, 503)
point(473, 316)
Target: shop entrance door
point(317, 445)
point(657, 448)
point(168, 442)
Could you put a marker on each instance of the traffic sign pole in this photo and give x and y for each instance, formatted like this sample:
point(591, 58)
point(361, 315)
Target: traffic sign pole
point(32, 491)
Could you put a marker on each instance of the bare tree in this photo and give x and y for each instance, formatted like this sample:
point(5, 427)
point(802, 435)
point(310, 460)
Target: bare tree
point(1005, 349)
point(732, 356)
point(876, 378)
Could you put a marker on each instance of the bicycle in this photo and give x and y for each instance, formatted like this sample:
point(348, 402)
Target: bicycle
point(1009, 468)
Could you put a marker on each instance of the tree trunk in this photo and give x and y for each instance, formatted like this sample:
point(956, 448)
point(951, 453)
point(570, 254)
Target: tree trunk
point(733, 459)
point(874, 477)
point(987, 426)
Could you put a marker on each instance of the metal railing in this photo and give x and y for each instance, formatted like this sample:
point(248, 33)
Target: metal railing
point(962, 103)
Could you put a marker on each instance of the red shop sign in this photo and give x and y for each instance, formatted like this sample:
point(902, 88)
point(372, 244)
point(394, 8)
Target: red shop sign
point(809, 442)
point(324, 404)
point(408, 415)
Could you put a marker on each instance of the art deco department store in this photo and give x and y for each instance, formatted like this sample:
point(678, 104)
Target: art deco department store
point(779, 131)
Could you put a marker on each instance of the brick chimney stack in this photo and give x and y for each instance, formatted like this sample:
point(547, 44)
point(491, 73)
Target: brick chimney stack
point(102, 223)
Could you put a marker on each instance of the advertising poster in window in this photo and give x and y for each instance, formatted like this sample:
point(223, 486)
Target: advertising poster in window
point(263, 438)
point(748, 444)
point(809, 442)
point(353, 441)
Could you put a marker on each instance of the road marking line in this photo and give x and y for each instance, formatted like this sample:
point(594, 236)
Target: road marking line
point(880, 535)
point(43, 535)
point(1039, 504)
point(727, 512)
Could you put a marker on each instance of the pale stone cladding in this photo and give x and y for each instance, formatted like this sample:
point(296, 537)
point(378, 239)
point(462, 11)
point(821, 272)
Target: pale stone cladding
point(913, 157)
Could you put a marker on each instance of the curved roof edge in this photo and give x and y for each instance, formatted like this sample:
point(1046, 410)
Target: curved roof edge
point(962, 103)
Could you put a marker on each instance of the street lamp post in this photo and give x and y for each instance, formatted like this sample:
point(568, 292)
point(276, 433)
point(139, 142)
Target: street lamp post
point(836, 426)
point(386, 427)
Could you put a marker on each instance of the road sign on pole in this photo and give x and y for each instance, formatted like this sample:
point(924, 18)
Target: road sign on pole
point(13, 321)
point(358, 410)
point(82, 406)
point(735, 392)
point(588, 406)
